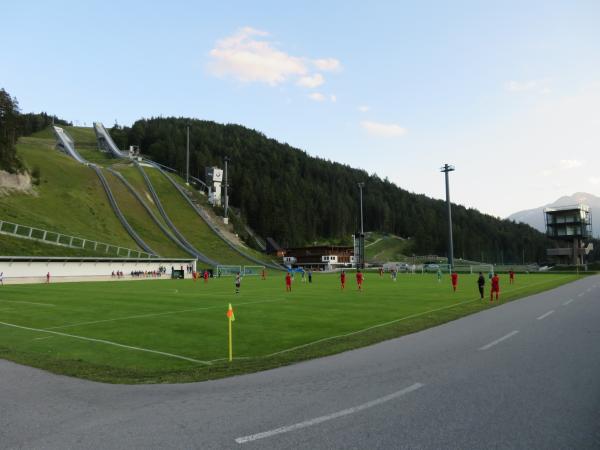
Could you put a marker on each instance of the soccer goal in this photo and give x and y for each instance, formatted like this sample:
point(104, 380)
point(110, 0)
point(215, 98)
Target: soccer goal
point(484, 268)
point(228, 271)
point(435, 268)
point(253, 270)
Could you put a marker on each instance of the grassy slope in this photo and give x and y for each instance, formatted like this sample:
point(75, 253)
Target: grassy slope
point(268, 320)
point(383, 248)
point(134, 177)
point(190, 225)
point(11, 246)
point(141, 221)
point(203, 201)
point(70, 198)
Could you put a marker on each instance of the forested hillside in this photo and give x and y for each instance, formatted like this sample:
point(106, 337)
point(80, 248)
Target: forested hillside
point(297, 199)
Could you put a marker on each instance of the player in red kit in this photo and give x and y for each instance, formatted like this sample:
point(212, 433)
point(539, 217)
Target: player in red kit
point(206, 276)
point(359, 279)
point(511, 276)
point(288, 282)
point(454, 277)
point(343, 279)
point(495, 287)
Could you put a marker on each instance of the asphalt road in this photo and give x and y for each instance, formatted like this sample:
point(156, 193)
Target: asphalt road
point(517, 376)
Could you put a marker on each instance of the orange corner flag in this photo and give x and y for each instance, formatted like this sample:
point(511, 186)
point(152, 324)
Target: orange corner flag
point(230, 315)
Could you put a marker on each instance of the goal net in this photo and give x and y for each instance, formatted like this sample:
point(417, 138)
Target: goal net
point(253, 270)
point(228, 271)
point(483, 268)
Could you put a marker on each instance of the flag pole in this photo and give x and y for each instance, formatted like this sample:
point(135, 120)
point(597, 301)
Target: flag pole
point(230, 341)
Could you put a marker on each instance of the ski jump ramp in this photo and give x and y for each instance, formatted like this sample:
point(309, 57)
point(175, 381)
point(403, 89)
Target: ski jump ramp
point(106, 142)
point(67, 144)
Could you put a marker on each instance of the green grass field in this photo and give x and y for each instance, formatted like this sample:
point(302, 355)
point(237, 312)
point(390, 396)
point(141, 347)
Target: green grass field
point(176, 330)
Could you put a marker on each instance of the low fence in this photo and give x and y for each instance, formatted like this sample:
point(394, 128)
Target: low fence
point(65, 240)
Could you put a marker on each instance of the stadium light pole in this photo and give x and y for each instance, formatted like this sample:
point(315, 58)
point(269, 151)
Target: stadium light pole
point(361, 238)
point(361, 185)
point(446, 169)
point(187, 156)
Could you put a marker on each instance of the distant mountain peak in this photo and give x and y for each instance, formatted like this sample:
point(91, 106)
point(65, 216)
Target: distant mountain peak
point(535, 216)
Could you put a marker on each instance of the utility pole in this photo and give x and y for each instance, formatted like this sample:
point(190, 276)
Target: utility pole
point(446, 169)
point(187, 157)
point(361, 185)
point(225, 217)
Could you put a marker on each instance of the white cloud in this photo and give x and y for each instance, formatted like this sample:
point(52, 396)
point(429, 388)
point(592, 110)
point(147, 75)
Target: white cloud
point(333, 98)
point(249, 55)
point(520, 86)
point(311, 81)
point(248, 59)
point(567, 164)
point(364, 108)
point(594, 180)
point(540, 86)
point(317, 97)
point(383, 129)
point(327, 64)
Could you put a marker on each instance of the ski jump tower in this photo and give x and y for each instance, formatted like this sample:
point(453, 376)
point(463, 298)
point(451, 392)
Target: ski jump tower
point(214, 178)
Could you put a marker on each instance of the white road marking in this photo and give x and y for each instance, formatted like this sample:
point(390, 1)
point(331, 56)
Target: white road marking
point(102, 341)
point(543, 316)
point(27, 303)
point(568, 302)
point(497, 341)
point(321, 419)
point(142, 316)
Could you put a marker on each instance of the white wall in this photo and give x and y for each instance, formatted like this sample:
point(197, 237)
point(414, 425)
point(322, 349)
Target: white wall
point(14, 269)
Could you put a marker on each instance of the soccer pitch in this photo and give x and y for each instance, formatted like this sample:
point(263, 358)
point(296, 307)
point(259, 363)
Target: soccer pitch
point(176, 330)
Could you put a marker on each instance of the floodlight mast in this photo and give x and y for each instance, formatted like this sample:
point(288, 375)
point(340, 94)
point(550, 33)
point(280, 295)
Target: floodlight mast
point(187, 156)
point(446, 169)
point(361, 237)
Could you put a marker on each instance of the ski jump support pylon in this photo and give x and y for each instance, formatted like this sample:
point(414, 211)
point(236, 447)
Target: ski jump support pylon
point(105, 141)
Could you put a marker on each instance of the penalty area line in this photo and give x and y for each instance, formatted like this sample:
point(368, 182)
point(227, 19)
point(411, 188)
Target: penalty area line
point(103, 341)
point(321, 419)
point(26, 303)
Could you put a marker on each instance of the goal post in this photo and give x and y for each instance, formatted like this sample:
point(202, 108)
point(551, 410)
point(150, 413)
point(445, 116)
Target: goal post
point(253, 270)
point(228, 271)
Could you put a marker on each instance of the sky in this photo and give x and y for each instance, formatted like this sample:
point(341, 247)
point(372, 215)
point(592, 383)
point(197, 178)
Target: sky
point(507, 92)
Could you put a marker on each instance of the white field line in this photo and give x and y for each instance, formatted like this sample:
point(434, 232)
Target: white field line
point(370, 328)
point(543, 316)
point(102, 341)
point(336, 415)
point(568, 302)
point(41, 338)
point(497, 341)
point(142, 316)
point(27, 303)
point(389, 323)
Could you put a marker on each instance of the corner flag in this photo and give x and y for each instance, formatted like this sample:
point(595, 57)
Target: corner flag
point(230, 315)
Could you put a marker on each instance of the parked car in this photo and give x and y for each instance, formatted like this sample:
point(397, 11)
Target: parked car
point(431, 267)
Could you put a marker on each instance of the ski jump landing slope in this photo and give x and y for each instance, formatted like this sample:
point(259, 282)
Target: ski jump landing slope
point(67, 145)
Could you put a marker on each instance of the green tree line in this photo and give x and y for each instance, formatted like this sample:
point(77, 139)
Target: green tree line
point(298, 199)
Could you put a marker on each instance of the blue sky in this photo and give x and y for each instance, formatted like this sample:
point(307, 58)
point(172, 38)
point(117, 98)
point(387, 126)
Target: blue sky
point(508, 92)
